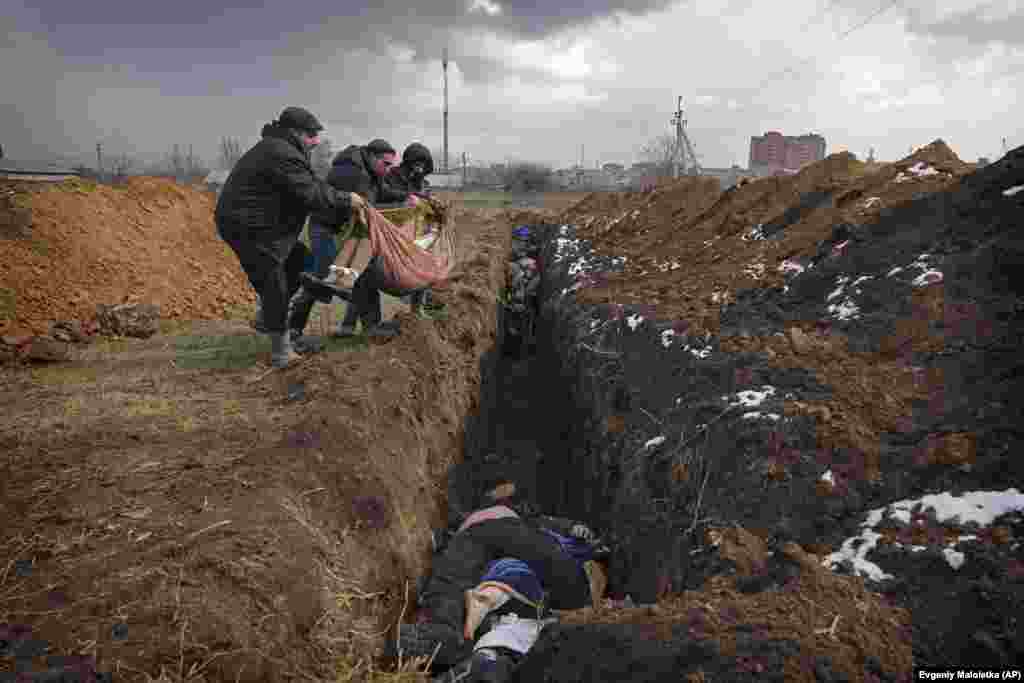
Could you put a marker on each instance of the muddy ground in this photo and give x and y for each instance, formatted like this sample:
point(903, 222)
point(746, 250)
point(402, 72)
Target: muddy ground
point(174, 511)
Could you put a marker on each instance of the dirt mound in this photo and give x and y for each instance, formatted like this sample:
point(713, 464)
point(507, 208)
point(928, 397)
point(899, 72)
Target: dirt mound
point(785, 604)
point(173, 513)
point(795, 358)
point(67, 247)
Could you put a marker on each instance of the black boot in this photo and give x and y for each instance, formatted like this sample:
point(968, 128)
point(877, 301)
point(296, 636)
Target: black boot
point(486, 665)
point(304, 345)
point(300, 308)
point(428, 639)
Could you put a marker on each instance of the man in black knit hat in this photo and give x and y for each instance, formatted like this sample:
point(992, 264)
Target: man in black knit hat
point(261, 211)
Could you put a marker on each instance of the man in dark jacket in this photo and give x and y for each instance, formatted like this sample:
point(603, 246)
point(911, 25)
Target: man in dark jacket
point(360, 170)
point(410, 176)
point(262, 209)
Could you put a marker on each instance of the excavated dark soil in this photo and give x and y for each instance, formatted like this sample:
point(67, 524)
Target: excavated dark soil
point(726, 384)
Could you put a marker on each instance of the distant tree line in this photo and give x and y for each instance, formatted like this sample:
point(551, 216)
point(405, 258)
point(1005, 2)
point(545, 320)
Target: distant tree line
point(527, 176)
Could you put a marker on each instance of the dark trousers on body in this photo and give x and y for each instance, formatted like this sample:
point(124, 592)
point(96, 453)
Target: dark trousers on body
point(273, 264)
point(465, 558)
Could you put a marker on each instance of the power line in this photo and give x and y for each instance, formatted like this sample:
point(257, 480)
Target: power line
point(842, 36)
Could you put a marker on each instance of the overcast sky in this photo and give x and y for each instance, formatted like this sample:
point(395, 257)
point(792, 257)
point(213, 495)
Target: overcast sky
point(527, 80)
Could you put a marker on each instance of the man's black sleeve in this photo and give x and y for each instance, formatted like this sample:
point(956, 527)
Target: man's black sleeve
point(296, 177)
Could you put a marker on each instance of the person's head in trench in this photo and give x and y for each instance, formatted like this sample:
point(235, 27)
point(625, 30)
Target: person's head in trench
point(384, 157)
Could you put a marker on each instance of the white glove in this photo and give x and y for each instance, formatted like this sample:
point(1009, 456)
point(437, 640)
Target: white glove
point(582, 532)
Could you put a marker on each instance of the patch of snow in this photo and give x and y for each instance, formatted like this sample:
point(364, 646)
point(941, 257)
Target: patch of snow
point(757, 414)
point(840, 246)
point(751, 398)
point(788, 266)
point(929, 277)
point(667, 266)
point(918, 170)
point(855, 550)
point(871, 201)
point(594, 324)
point(666, 338)
point(954, 558)
point(895, 270)
point(979, 507)
point(618, 260)
point(841, 281)
point(828, 477)
point(719, 297)
point(862, 278)
point(844, 310)
point(785, 289)
point(1009, 192)
point(699, 353)
point(656, 441)
point(754, 234)
point(634, 321)
point(636, 212)
point(578, 266)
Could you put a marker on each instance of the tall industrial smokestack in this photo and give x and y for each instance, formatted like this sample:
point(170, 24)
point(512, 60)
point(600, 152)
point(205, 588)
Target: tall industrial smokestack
point(444, 65)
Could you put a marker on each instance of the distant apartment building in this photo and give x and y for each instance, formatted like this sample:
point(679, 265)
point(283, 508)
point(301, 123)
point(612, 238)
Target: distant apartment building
point(776, 154)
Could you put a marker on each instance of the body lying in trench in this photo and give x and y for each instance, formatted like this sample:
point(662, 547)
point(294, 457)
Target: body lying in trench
point(495, 578)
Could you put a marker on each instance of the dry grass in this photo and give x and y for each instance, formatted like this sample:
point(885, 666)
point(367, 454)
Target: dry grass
point(64, 375)
point(148, 407)
point(7, 301)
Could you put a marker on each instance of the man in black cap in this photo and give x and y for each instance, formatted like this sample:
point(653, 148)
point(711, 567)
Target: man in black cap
point(411, 175)
point(261, 211)
point(361, 170)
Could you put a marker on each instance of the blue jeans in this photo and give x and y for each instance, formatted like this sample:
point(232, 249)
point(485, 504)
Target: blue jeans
point(324, 247)
point(324, 251)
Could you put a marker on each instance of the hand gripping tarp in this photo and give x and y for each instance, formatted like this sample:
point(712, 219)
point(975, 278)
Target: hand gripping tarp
point(406, 265)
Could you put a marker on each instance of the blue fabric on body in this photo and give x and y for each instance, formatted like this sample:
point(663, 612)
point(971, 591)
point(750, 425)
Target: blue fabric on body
point(516, 574)
point(578, 549)
point(324, 249)
point(523, 231)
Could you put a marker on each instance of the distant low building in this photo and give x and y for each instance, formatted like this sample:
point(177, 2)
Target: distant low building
point(35, 171)
point(446, 181)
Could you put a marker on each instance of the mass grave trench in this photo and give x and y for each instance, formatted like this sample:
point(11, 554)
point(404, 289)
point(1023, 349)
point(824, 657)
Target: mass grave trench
point(645, 434)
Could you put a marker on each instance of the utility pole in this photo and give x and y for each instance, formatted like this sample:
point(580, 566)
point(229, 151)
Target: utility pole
point(1004, 147)
point(444, 65)
point(677, 121)
point(99, 159)
point(684, 148)
point(463, 169)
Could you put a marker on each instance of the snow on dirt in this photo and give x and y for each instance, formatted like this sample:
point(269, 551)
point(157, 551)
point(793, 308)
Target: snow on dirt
point(971, 510)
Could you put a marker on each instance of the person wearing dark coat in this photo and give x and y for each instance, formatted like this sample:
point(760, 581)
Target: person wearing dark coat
point(361, 170)
point(262, 209)
point(411, 175)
